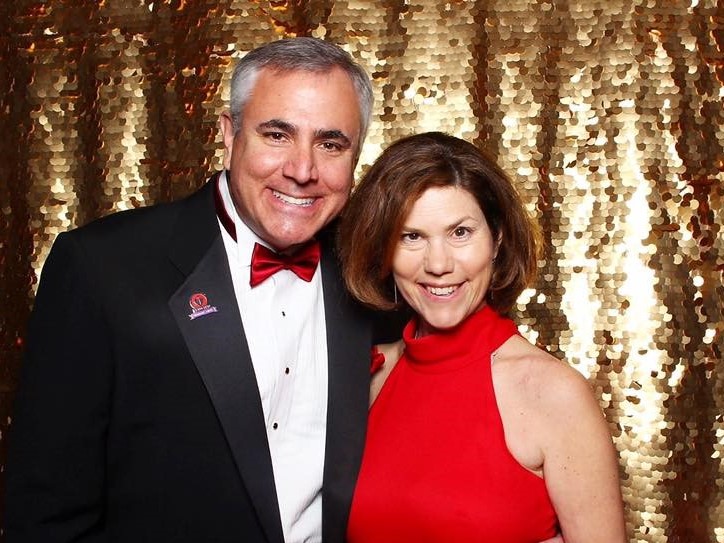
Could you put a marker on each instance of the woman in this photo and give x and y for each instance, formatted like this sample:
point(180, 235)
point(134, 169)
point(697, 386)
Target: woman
point(476, 435)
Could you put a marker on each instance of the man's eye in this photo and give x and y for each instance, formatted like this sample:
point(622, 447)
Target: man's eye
point(410, 236)
point(331, 146)
point(276, 136)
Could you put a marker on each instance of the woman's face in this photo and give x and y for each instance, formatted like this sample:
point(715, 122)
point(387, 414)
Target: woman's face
point(443, 261)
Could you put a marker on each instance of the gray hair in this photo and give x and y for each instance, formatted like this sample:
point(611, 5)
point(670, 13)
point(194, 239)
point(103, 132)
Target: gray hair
point(303, 54)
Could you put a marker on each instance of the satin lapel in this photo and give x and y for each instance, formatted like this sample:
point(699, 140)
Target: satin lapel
point(348, 349)
point(208, 317)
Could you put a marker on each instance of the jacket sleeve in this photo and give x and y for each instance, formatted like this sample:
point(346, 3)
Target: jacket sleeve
point(55, 470)
point(387, 325)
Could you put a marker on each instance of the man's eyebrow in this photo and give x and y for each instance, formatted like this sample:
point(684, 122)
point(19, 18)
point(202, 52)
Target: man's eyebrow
point(333, 135)
point(277, 124)
point(321, 134)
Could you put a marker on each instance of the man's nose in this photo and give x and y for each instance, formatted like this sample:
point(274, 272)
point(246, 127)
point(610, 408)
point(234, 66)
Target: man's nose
point(301, 165)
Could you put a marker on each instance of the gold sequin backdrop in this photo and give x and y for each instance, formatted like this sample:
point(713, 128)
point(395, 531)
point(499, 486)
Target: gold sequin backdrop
point(607, 112)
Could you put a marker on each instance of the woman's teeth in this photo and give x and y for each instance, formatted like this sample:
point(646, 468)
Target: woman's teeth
point(442, 291)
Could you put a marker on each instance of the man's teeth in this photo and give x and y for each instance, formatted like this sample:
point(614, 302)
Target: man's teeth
point(293, 201)
point(442, 291)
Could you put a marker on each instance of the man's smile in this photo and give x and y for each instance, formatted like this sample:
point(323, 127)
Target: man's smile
point(292, 200)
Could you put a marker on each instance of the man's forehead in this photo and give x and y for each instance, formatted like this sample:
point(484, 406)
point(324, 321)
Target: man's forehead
point(322, 103)
point(337, 76)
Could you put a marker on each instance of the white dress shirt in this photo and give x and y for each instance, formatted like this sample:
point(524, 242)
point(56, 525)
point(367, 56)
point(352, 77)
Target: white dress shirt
point(283, 319)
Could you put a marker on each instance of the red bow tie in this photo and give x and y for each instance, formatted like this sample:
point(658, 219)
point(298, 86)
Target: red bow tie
point(265, 263)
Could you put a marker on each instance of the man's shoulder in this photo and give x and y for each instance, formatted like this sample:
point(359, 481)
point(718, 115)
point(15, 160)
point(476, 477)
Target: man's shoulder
point(328, 234)
point(141, 223)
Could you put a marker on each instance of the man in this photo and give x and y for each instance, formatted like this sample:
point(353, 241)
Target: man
point(163, 397)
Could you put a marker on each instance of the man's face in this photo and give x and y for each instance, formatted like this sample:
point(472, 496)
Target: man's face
point(292, 160)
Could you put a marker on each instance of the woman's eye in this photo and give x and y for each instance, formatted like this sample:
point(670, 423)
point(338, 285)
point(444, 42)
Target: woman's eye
point(461, 231)
point(410, 236)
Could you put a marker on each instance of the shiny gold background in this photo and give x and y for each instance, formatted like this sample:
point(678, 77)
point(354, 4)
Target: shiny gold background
point(607, 112)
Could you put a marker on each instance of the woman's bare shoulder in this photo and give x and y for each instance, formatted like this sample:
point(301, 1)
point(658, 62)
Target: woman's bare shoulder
point(539, 376)
point(390, 353)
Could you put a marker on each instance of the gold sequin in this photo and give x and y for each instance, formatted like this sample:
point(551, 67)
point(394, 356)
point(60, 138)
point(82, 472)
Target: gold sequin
point(608, 114)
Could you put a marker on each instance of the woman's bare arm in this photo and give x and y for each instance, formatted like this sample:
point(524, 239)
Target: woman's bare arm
point(580, 463)
point(554, 427)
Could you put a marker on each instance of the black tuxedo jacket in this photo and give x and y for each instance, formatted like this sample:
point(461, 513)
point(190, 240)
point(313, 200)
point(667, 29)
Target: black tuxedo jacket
point(135, 422)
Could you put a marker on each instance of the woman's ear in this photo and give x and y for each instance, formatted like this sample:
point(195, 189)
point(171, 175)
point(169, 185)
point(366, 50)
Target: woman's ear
point(498, 241)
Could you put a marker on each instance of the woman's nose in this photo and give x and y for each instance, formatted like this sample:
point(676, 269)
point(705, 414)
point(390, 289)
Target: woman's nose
point(438, 257)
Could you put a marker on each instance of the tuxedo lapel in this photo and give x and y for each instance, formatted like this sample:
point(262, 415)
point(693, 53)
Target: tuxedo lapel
point(207, 315)
point(348, 351)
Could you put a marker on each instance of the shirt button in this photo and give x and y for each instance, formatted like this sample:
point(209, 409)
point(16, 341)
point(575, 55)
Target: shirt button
point(286, 371)
point(275, 426)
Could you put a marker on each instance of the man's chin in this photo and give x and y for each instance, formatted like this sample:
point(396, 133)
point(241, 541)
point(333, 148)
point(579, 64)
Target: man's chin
point(290, 244)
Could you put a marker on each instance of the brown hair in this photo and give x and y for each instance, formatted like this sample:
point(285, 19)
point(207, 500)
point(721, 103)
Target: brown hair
point(373, 219)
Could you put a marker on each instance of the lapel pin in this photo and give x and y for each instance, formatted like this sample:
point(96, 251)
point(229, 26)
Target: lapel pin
point(200, 306)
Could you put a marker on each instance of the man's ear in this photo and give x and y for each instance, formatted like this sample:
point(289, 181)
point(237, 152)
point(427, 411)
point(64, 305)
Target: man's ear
point(226, 125)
